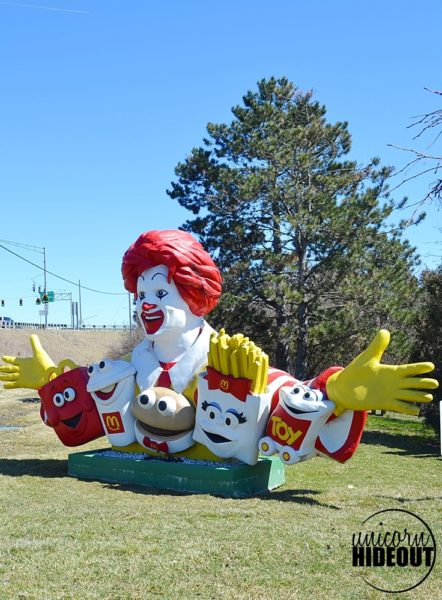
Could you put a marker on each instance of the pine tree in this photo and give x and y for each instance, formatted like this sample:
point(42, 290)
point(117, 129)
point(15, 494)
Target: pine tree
point(298, 230)
point(428, 345)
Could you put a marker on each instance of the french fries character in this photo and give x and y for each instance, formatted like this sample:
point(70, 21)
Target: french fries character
point(234, 398)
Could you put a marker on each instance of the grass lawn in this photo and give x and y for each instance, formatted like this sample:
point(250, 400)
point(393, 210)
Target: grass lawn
point(65, 538)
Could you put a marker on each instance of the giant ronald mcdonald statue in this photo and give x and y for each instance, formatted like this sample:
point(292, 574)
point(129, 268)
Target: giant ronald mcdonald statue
point(188, 392)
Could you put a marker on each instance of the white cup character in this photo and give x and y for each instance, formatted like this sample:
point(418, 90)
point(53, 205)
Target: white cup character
point(112, 386)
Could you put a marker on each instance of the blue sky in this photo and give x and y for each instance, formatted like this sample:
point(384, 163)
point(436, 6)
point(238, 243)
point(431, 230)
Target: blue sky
point(102, 98)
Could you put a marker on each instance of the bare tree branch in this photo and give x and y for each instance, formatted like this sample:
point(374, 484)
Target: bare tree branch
point(431, 120)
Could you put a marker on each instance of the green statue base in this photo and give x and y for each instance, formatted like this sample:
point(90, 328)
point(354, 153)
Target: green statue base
point(231, 480)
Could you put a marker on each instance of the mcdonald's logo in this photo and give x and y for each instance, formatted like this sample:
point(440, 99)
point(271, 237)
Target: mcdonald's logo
point(113, 422)
point(224, 384)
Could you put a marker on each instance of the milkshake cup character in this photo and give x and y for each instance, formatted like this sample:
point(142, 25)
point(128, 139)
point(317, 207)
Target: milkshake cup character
point(112, 386)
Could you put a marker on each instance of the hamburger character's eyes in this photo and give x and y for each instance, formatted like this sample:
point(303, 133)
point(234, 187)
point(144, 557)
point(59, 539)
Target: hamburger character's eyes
point(166, 406)
point(146, 400)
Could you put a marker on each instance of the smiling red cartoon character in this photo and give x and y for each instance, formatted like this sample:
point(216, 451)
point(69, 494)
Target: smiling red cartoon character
point(69, 409)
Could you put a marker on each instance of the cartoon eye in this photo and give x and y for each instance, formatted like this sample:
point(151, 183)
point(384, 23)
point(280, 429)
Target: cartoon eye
point(90, 369)
point(58, 400)
point(141, 295)
point(69, 394)
point(102, 364)
point(161, 293)
point(296, 390)
point(166, 406)
point(146, 400)
point(212, 408)
point(231, 422)
point(233, 418)
point(314, 396)
point(307, 396)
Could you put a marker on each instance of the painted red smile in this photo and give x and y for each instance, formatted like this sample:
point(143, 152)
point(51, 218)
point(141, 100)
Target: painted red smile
point(152, 320)
point(105, 395)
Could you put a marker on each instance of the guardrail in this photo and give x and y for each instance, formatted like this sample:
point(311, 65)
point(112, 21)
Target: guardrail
point(58, 326)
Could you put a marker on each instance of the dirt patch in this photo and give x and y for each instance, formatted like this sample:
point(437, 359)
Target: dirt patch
point(83, 347)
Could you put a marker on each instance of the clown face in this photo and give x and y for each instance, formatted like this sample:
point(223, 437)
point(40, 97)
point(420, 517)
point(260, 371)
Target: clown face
point(69, 409)
point(160, 307)
point(230, 427)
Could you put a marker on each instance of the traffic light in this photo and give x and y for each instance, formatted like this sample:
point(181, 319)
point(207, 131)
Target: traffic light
point(20, 302)
point(38, 301)
point(3, 302)
point(45, 299)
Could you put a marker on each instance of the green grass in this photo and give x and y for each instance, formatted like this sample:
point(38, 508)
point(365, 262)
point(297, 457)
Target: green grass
point(64, 538)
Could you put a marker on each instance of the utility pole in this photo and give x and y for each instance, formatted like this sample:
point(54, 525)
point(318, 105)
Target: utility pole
point(40, 250)
point(79, 302)
point(46, 308)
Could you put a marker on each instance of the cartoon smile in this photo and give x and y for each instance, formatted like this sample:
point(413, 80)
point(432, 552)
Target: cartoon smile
point(152, 320)
point(106, 393)
point(163, 433)
point(215, 437)
point(299, 411)
point(73, 421)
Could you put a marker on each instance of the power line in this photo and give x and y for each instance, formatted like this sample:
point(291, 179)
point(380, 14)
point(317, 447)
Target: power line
point(63, 278)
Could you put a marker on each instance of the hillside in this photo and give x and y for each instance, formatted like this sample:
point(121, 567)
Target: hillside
point(83, 347)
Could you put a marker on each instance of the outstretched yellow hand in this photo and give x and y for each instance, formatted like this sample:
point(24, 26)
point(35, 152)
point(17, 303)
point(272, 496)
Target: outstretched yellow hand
point(31, 372)
point(365, 384)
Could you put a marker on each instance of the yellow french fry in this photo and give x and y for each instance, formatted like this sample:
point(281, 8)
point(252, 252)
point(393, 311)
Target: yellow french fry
point(224, 355)
point(214, 352)
point(256, 376)
point(234, 365)
point(264, 372)
point(242, 360)
point(252, 356)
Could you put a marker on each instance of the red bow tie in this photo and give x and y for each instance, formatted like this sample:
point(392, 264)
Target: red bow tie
point(159, 447)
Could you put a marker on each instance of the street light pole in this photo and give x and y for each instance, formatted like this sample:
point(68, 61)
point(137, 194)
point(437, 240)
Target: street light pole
point(79, 302)
point(40, 250)
point(45, 286)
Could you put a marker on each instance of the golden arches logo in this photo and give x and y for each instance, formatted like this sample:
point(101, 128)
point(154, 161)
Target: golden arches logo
point(113, 423)
point(224, 384)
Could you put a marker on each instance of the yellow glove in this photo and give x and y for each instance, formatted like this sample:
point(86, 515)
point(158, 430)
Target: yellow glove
point(28, 372)
point(365, 384)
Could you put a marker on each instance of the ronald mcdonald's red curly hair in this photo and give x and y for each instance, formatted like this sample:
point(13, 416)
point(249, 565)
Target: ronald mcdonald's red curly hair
point(190, 267)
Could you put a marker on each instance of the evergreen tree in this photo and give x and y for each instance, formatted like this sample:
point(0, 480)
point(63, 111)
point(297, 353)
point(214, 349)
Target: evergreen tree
point(299, 231)
point(428, 336)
